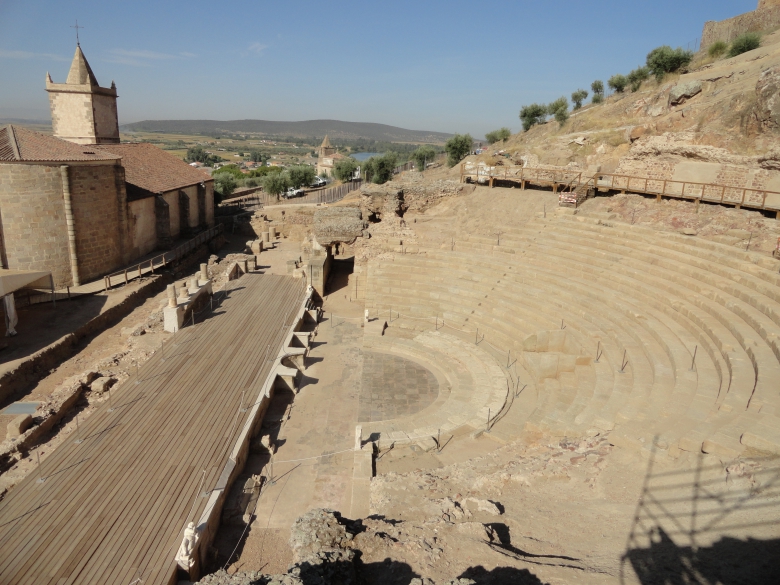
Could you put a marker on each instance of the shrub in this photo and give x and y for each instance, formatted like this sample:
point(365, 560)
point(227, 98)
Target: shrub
point(301, 175)
point(533, 115)
point(225, 184)
point(422, 156)
point(637, 76)
point(276, 183)
point(498, 135)
point(717, 49)
point(744, 43)
point(578, 97)
point(560, 109)
point(663, 60)
point(597, 98)
point(230, 170)
point(618, 82)
point(379, 169)
point(457, 148)
point(344, 169)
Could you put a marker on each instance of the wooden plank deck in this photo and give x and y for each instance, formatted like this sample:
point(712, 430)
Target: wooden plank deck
point(112, 509)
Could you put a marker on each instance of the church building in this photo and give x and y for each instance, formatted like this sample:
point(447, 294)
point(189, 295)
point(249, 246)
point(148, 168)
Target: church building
point(327, 158)
point(80, 204)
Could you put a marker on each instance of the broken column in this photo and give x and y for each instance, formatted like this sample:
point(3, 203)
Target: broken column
point(272, 233)
point(171, 289)
point(204, 271)
point(358, 437)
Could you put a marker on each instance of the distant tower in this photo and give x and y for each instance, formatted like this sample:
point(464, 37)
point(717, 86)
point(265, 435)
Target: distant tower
point(326, 149)
point(81, 110)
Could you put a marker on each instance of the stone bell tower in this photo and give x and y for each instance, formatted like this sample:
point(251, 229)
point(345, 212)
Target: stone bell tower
point(81, 110)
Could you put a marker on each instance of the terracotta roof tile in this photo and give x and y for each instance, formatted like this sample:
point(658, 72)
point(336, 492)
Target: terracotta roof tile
point(21, 144)
point(153, 169)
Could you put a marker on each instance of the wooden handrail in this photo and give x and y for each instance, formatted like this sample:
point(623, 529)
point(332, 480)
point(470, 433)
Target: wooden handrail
point(687, 189)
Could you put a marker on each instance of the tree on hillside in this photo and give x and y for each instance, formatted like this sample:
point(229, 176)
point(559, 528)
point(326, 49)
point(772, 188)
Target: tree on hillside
point(276, 184)
point(345, 168)
point(663, 60)
point(560, 109)
point(598, 91)
point(618, 83)
point(301, 175)
point(422, 156)
point(637, 76)
point(498, 135)
point(744, 43)
point(457, 148)
point(578, 97)
point(533, 115)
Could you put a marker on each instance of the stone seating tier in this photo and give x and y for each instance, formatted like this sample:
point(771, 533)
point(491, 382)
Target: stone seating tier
point(655, 298)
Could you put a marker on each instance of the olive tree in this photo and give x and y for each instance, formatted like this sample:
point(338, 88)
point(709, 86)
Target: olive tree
point(457, 148)
point(578, 97)
point(423, 155)
point(498, 135)
point(345, 168)
point(532, 115)
point(276, 183)
point(301, 175)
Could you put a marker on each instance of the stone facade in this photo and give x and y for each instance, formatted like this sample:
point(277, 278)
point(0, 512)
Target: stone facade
point(32, 214)
point(34, 228)
point(98, 207)
point(767, 16)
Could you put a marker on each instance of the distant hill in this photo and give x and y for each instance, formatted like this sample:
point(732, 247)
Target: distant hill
point(335, 129)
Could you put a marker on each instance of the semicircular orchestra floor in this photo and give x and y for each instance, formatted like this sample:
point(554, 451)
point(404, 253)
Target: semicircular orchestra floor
point(393, 387)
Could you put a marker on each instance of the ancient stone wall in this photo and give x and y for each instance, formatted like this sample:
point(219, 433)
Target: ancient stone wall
point(32, 211)
point(72, 117)
point(766, 17)
point(96, 214)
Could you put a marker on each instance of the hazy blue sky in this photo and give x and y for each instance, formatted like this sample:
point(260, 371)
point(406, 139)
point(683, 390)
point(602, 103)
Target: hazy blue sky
point(450, 66)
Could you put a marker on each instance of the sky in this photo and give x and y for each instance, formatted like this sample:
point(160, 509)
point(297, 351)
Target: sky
point(447, 66)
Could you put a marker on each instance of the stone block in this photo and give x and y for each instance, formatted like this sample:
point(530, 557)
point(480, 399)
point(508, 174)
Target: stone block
point(18, 425)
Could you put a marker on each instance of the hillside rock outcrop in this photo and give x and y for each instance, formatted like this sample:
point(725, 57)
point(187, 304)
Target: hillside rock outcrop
point(768, 98)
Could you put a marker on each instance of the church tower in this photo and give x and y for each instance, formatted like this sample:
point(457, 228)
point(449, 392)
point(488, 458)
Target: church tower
point(325, 148)
point(81, 110)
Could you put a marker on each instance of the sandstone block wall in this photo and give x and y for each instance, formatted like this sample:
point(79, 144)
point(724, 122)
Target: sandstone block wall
point(32, 212)
point(72, 117)
point(766, 17)
point(96, 212)
point(106, 119)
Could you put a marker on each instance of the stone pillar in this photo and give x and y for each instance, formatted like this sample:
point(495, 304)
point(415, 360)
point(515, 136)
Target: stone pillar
point(183, 294)
point(252, 264)
point(266, 237)
point(74, 261)
point(204, 271)
point(193, 286)
point(271, 233)
point(172, 295)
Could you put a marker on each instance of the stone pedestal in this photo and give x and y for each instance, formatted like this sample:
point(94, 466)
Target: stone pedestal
point(266, 237)
point(272, 233)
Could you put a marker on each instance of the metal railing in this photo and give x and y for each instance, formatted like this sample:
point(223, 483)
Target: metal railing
point(148, 266)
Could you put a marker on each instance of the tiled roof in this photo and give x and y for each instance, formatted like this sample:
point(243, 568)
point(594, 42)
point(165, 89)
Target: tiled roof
point(21, 144)
point(152, 169)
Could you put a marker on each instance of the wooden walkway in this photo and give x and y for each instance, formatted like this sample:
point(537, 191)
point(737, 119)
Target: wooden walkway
point(112, 509)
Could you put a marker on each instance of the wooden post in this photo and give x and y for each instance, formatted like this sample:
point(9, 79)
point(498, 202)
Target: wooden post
point(151, 266)
point(139, 271)
point(105, 283)
point(125, 276)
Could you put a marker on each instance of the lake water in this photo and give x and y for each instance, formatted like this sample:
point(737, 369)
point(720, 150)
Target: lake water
point(364, 155)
